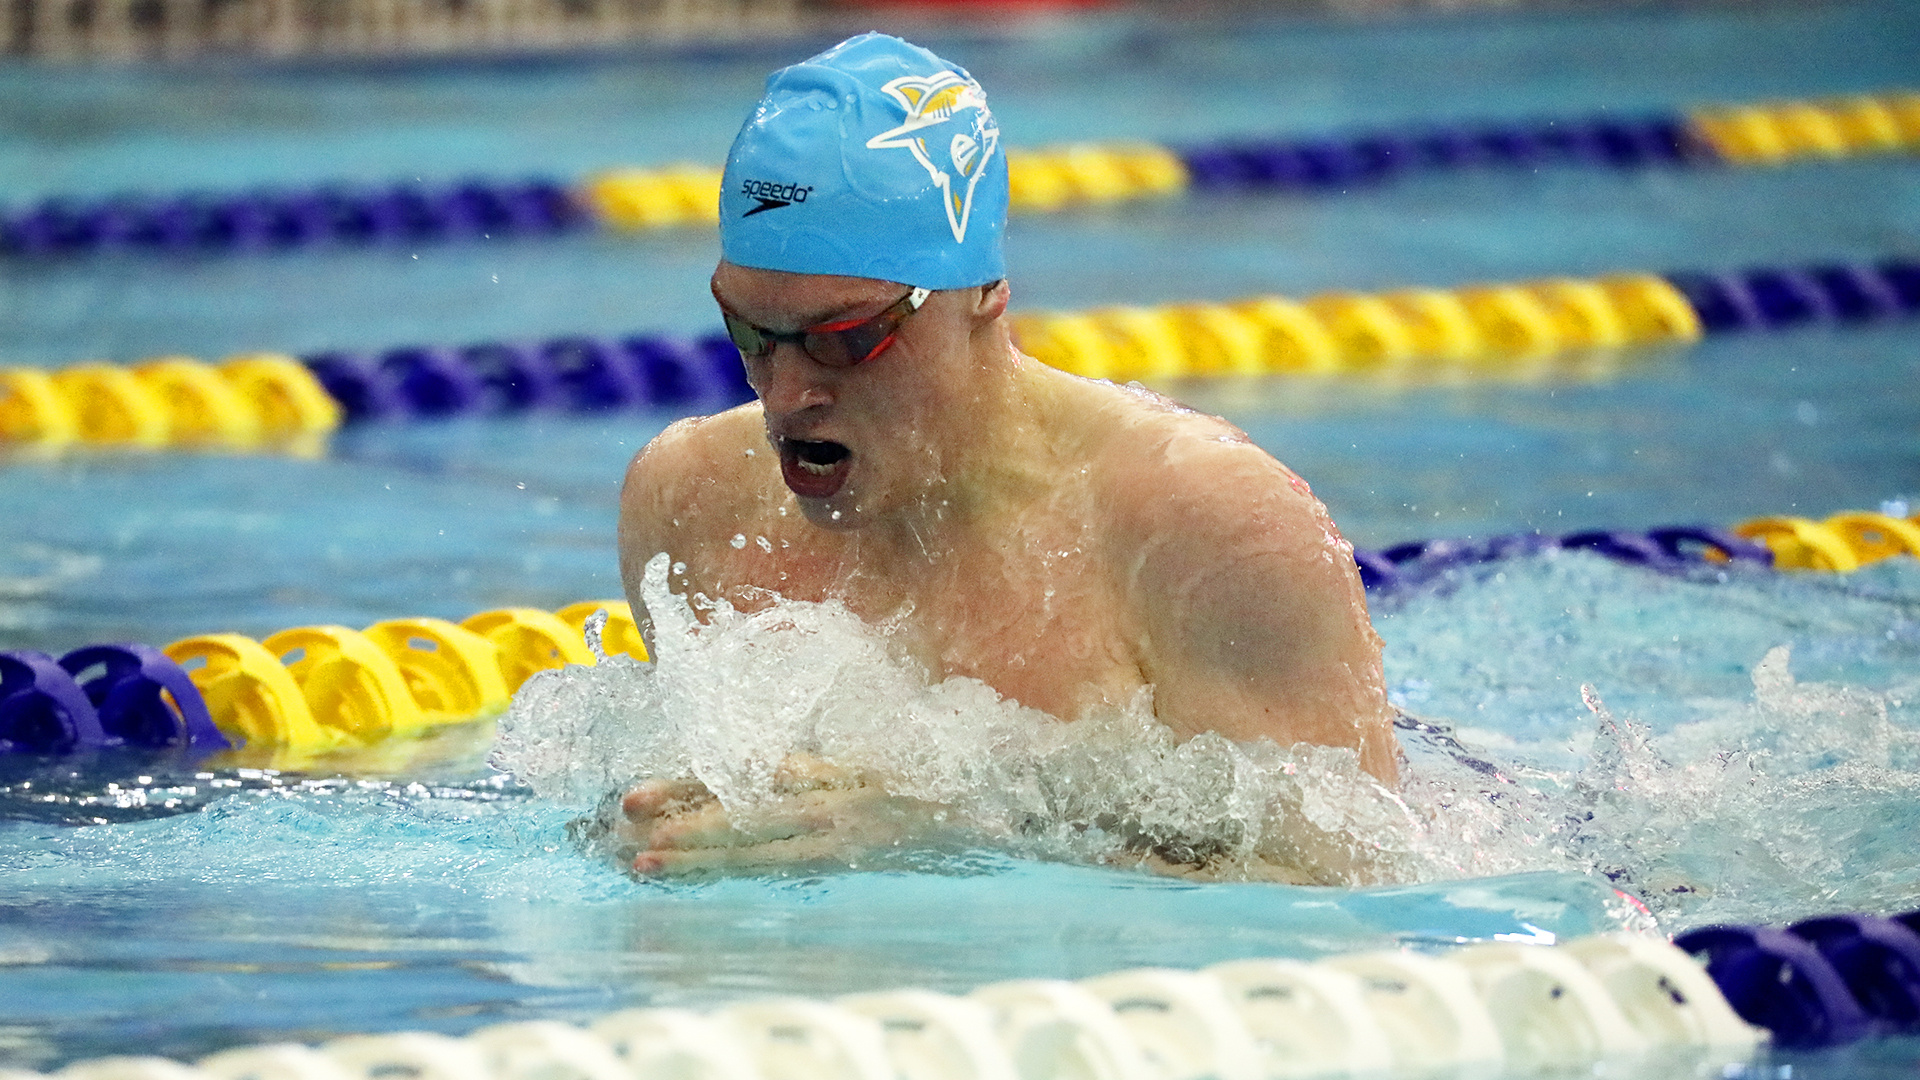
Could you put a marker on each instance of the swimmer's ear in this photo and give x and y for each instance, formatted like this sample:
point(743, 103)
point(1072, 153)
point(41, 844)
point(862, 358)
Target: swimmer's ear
point(990, 301)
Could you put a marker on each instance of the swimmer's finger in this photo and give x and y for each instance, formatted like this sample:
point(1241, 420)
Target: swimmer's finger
point(711, 827)
point(817, 847)
point(652, 798)
point(705, 827)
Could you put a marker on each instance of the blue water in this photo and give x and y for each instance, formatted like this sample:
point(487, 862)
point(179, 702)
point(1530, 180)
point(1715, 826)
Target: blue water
point(320, 913)
point(262, 907)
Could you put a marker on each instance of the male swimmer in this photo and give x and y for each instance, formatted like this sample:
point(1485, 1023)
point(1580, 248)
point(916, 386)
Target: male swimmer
point(1066, 541)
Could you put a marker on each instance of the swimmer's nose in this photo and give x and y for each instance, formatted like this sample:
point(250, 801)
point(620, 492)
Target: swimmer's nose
point(789, 380)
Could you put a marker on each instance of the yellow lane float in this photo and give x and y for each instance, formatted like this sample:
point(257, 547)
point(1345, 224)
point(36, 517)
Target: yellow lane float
point(1842, 543)
point(252, 402)
point(311, 690)
point(1476, 330)
point(1774, 133)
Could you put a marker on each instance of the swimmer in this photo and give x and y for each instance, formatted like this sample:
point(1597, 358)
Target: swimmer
point(1064, 540)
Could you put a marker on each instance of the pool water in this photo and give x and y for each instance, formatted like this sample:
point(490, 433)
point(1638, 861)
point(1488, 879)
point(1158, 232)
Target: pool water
point(262, 907)
point(1657, 738)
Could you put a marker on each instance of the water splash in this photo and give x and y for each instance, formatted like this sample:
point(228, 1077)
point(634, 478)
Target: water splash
point(1752, 808)
point(1710, 781)
point(1787, 803)
point(732, 698)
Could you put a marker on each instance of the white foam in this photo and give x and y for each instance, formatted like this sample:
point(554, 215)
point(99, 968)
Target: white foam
point(728, 700)
point(1727, 810)
point(1757, 810)
point(1754, 813)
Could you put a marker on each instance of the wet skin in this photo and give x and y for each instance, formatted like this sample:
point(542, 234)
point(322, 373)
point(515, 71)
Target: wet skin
point(1066, 541)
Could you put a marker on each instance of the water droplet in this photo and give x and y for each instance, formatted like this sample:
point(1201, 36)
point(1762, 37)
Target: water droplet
point(739, 541)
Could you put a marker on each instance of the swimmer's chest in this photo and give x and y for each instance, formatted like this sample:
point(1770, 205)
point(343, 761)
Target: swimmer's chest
point(1038, 617)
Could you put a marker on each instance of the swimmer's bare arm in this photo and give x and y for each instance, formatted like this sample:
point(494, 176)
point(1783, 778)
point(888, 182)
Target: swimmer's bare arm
point(1256, 622)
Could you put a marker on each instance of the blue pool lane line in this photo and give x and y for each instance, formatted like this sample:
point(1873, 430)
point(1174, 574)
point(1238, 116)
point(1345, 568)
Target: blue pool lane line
point(101, 696)
point(1768, 298)
point(1333, 163)
point(1669, 548)
point(334, 214)
point(1822, 982)
point(568, 374)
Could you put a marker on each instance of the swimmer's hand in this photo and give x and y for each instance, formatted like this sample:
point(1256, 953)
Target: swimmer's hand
point(826, 814)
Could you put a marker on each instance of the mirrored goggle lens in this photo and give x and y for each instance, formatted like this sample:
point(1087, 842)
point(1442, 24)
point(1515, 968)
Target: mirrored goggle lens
point(847, 344)
point(745, 336)
point(859, 343)
point(832, 348)
point(839, 346)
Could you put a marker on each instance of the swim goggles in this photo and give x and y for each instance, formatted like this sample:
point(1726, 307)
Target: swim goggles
point(833, 344)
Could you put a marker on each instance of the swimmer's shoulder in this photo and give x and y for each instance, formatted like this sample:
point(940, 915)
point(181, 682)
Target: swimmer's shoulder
point(698, 465)
point(1167, 470)
point(1172, 454)
point(700, 447)
point(1135, 419)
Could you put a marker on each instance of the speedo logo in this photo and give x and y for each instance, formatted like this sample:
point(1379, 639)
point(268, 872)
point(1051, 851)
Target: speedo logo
point(772, 196)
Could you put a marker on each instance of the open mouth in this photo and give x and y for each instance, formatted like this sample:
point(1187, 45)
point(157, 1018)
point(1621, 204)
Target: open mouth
point(814, 469)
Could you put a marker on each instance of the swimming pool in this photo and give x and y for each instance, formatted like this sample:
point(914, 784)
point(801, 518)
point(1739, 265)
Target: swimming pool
point(445, 898)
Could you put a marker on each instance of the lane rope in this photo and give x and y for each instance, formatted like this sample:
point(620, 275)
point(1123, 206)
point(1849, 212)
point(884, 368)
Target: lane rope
point(1719, 995)
point(253, 402)
point(299, 693)
point(1476, 331)
point(310, 690)
point(1041, 179)
point(1492, 331)
point(1842, 543)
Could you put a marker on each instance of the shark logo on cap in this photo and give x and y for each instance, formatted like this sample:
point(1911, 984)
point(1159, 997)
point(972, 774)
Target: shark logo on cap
point(944, 98)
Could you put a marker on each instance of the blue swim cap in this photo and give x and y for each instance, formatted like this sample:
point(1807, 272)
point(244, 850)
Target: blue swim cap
point(875, 159)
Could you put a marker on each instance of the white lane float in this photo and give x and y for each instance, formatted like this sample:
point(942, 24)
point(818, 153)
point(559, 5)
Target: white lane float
point(1508, 1007)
